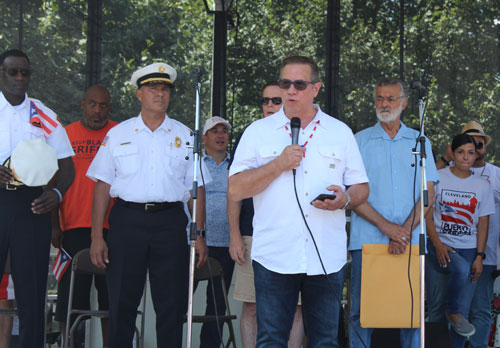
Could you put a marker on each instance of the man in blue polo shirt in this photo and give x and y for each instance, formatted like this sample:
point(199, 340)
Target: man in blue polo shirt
point(387, 216)
point(215, 137)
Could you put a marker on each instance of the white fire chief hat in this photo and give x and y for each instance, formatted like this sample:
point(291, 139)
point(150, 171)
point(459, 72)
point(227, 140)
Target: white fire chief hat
point(34, 162)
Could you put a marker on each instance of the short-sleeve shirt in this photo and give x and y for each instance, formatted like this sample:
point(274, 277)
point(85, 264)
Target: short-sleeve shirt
point(76, 206)
point(144, 166)
point(388, 163)
point(459, 204)
point(281, 241)
point(216, 222)
point(15, 126)
point(491, 174)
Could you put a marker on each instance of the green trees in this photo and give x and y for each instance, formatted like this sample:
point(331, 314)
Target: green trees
point(452, 46)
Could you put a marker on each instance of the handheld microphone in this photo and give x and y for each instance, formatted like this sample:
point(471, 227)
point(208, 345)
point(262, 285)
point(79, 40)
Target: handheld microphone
point(295, 126)
point(419, 88)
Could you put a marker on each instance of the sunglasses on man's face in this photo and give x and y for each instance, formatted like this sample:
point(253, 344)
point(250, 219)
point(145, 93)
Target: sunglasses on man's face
point(299, 85)
point(275, 100)
point(479, 144)
point(14, 71)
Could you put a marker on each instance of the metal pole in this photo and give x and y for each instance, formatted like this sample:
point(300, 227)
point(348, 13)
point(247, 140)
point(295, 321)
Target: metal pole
point(333, 57)
point(94, 36)
point(20, 33)
point(401, 39)
point(219, 60)
point(192, 232)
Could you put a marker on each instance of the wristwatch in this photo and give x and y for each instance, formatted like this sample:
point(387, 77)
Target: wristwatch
point(346, 206)
point(201, 233)
point(482, 254)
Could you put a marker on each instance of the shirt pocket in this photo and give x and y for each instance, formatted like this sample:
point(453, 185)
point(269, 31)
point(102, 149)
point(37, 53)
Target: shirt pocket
point(332, 165)
point(176, 162)
point(126, 159)
point(269, 152)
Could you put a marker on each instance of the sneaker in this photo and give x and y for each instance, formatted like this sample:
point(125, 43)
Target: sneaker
point(462, 327)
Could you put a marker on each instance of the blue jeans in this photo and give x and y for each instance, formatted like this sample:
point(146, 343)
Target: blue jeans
point(459, 288)
point(480, 309)
point(409, 338)
point(435, 287)
point(276, 298)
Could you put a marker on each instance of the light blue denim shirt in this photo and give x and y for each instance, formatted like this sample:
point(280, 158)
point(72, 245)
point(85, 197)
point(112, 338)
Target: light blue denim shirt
point(216, 224)
point(388, 165)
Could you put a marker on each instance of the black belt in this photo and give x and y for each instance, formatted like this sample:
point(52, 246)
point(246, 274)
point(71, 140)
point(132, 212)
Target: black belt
point(10, 187)
point(149, 207)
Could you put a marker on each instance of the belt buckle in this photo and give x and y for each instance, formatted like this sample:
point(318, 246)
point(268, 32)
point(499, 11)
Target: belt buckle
point(148, 205)
point(10, 187)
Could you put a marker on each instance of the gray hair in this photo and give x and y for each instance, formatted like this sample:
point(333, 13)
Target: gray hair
point(387, 81)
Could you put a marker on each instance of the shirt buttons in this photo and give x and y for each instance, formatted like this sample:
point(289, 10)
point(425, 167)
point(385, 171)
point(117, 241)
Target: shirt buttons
point(307, 194)
point(307, 215)
point(305, 171)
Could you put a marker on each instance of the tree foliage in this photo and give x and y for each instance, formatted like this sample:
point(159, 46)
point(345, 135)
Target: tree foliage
point(452, 46)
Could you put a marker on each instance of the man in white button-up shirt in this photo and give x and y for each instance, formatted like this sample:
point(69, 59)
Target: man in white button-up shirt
point(145, 164)
point(24, 219)
point(286, 258)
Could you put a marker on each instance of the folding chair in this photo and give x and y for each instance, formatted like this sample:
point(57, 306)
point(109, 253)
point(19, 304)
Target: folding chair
point(213, 270)
point(82, 264)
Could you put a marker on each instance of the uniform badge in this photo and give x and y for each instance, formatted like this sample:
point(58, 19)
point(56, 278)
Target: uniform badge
point(161, 69)
point(178, 142)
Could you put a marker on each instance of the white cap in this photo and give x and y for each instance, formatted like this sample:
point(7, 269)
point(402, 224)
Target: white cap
point(214, 121)
point(156, 72)
point(33, 162)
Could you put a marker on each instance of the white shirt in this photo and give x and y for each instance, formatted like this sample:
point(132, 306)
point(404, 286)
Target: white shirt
point(459, 204)
point(15, 126)
point(492, 174)
point(281, 241)
point(145, 166)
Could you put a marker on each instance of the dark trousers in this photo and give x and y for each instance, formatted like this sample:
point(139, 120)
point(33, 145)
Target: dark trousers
point(211, 335)
point(27, 235)
point(75, 240)
point(139, 241)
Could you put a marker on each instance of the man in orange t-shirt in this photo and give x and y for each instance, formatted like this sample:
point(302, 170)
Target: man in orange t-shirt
point(72, 229)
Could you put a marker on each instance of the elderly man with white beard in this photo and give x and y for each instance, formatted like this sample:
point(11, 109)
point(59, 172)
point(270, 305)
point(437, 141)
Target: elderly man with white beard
point(390, 212)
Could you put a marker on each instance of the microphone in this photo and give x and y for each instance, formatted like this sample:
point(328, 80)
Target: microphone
point(295, 126)
point(419, 88)
point(198, 72)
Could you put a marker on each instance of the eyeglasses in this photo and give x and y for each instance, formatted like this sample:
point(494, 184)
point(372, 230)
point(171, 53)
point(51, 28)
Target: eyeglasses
point(299, 85)
point(390, 100)
point(14, 71)
point(275, 100)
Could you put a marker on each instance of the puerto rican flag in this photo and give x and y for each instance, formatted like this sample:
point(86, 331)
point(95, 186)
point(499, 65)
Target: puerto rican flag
point(61, 264)
point(40, 119)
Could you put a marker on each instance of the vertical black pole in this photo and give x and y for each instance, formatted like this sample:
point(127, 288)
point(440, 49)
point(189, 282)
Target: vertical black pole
point(401, 38)
point(20, 34)
point(332, 57)
point(94, 32)
point(219, 60)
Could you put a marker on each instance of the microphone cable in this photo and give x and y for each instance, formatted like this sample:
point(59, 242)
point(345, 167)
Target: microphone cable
point(323, 266)
point(414, 214)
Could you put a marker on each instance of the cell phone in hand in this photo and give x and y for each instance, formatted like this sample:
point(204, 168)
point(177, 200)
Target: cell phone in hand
point(323, 196)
